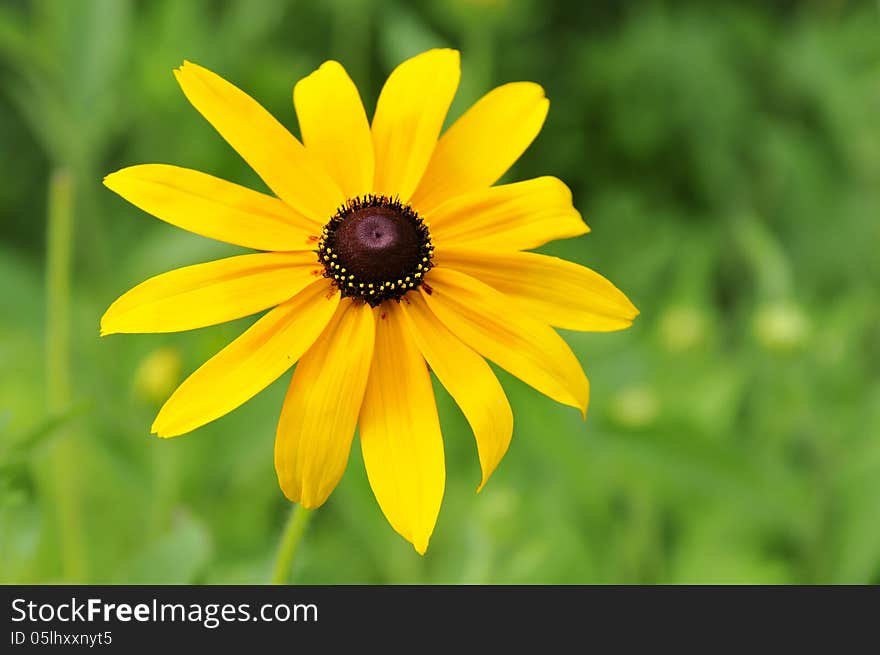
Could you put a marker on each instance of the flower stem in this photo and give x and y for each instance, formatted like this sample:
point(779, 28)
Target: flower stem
point(59, 234)
point(296, 526)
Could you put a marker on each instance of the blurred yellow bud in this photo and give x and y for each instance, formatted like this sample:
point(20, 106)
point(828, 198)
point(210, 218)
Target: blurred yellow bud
point(635, 407)
point(683, 327)
point(158, 374)
point(780, 326)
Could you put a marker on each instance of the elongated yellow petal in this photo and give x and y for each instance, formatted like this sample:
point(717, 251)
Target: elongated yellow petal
point(498, 329)
point(214, 208)
point(408, 119)
point(400, 432)
point(250, 363)
point(322, 406)
point(481, 145)
point(468, 379)
point(334, 127)
point(561, 293)
point(515, 216)
point(272, 151)
point(211, 293)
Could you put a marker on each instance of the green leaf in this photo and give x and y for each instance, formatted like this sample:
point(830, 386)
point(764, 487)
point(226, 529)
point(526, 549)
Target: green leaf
point(177, 557)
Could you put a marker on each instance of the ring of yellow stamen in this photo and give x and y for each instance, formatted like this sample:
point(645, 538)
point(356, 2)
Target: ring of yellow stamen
point(375, 248)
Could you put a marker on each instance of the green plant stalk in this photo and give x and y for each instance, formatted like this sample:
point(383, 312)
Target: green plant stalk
point(294, 530)
point(59, 234)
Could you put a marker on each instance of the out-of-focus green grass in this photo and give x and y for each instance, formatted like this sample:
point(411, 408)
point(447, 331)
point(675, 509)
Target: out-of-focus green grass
point(727, 158)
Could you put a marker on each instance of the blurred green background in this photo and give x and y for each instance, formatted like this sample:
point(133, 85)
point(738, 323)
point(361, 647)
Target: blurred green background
point(727, 157)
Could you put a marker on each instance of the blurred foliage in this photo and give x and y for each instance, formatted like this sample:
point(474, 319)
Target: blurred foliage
point(727, 157)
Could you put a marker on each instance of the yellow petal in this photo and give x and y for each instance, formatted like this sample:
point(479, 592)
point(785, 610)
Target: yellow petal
point(515, 216)
point(400, 432)
point(214, 208)
point(334, 127)
point(498, 329)
point(250, 363)
point(211, 293)
point(468, 379)
point(295, 175)
point(481, 145)
point(560, 292)
point(408, 119)
point(322, 405)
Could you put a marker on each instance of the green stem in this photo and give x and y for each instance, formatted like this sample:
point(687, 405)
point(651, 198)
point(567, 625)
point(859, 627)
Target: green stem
point(59, 234)
point(290, 539)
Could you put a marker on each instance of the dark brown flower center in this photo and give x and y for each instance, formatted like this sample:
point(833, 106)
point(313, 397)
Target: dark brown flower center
point(375, 248)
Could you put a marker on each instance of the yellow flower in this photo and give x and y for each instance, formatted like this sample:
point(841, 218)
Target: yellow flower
point(385, 247)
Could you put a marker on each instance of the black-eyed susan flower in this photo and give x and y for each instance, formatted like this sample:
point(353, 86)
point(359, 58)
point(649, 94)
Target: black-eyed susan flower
point(385, 250)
